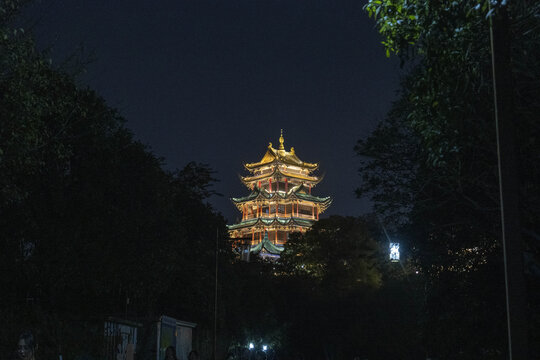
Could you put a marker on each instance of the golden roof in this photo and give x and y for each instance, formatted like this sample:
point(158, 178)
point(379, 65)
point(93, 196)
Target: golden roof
point(277, 170)
point(281, 155)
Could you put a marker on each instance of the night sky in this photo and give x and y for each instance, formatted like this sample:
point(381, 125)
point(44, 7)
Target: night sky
point(215, 81)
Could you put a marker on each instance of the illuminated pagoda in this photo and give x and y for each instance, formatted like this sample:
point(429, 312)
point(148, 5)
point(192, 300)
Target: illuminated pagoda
point(280, 202)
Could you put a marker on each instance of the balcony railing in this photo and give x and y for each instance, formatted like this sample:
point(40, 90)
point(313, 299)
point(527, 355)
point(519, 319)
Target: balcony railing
point(281, 215)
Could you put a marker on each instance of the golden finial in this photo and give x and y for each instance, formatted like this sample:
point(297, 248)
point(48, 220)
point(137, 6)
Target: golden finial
point(281, 141)
point(292, 151)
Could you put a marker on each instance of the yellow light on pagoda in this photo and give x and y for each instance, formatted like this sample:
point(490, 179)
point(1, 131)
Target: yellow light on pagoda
point(280, 199)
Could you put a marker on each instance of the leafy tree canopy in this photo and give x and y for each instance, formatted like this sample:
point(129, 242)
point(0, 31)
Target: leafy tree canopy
point(338, 251)
point(431, 165)
point(91, 224)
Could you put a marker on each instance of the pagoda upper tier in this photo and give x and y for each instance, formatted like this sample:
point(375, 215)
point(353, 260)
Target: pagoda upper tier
point(280, 164)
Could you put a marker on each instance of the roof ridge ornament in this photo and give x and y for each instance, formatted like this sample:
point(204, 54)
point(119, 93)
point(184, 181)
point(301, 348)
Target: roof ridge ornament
point(281, 141)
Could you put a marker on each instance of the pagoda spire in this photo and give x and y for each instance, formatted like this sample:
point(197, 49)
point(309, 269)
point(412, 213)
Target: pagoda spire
point(281, 141)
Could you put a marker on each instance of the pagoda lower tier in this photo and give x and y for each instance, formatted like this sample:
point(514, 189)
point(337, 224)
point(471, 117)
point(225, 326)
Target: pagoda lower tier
point(277, 228)
point(280, 202)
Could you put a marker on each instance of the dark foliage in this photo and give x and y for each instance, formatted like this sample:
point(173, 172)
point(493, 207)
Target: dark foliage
point(91, 225)
point(431, 166)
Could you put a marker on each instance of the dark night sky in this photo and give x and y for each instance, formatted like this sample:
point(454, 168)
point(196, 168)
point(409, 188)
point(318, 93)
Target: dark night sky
point(215, 81)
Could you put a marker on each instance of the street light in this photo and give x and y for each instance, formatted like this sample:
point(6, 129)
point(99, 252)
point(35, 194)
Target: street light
point(251, 346)
point(265, 347)
point(394, 252)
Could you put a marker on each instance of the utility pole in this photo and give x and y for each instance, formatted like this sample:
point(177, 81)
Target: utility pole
point(516, 291)
point(215, 296)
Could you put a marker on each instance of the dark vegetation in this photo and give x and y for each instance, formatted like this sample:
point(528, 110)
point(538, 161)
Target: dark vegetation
point(89, 220)
point(431, 165)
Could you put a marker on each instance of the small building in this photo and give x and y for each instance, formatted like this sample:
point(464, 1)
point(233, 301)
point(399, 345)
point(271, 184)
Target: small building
point(176, 333)
point(148, 340)
point(120, 341)
point(280, 202)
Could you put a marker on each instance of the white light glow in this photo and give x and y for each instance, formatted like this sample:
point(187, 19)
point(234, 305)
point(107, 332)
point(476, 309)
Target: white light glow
point(265, 347)
point(251, 346)
point(394, 252)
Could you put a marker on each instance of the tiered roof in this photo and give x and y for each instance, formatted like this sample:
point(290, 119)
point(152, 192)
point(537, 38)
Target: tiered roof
point(280, 155)
point(297, 192)
point(275, 220)
point(278, 171)
point(267, 245)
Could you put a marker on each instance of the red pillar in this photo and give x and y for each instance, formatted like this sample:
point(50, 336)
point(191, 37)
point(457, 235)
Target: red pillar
point(270, 184)
point(286, 185)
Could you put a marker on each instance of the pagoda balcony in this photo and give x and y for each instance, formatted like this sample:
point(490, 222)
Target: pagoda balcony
point(281, 215)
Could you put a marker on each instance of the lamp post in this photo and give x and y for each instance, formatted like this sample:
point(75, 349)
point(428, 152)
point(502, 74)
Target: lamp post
point(394, 252)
